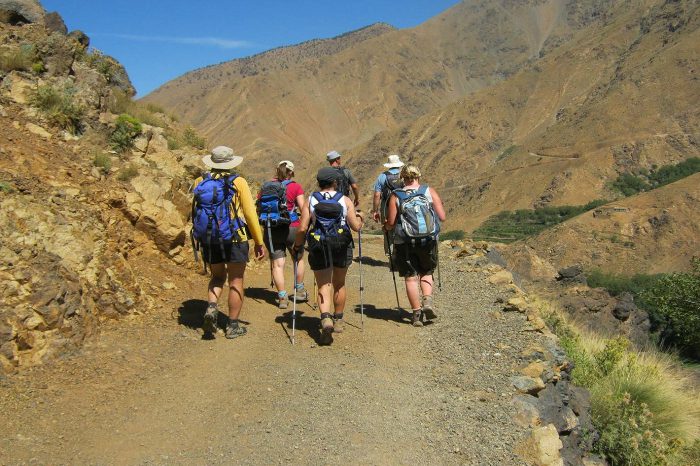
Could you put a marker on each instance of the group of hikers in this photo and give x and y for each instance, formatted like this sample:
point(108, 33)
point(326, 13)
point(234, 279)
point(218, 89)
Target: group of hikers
point(281, 220)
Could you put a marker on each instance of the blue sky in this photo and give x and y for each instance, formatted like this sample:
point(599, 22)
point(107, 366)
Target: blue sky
point(158, 40)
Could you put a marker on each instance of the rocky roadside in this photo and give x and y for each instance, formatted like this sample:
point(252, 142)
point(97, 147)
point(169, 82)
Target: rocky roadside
point(503, 368)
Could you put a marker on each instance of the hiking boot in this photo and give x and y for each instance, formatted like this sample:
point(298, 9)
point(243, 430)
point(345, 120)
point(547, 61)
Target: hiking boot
point(428, 309)
point(302, 295)
point(234, 330)
point(282, 301)
point(338, 324)
point(210, 318)
point(326, 331)
point(417, 319)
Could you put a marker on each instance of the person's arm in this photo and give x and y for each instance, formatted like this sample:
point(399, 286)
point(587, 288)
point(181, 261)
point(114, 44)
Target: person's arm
point(298, 247)
point(245, 200)
point(376, 198)
point(392, 212)
point(437, 205)
point(356, 194)
point(355, 218)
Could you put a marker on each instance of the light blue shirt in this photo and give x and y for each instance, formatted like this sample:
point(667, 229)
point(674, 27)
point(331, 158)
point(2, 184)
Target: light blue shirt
point(381, 179)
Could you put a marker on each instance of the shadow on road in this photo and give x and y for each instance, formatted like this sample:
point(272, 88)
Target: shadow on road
point(191, 315)
point(370, 261)
point(262, 294)
point(310, 325)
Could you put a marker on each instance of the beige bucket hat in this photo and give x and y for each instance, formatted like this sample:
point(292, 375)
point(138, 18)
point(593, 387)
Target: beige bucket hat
point(394, 162)
point(222, 158)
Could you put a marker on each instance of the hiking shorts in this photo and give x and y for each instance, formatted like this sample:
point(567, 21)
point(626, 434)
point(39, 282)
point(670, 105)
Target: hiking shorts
point(233, 252)
point(415, 260)
point(340, 257)
point(282, 240)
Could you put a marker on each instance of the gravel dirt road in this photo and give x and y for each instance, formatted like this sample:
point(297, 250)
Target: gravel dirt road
point(150, 390)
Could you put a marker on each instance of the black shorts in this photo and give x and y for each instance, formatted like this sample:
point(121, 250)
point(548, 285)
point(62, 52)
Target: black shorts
point(415, 260)
point(232, 252)
point(320, 259)
point(282, 239)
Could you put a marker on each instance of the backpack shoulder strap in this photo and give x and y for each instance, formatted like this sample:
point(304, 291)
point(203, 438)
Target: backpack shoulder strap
point(286, 183)
point(318, 196)
point(422, 189)
point(337, 197)
point(401, 194)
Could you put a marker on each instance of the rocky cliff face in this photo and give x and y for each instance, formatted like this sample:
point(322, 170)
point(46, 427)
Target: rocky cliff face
point(72, 226)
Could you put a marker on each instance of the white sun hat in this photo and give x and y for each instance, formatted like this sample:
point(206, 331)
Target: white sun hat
point(394, 162)
point(222, 158)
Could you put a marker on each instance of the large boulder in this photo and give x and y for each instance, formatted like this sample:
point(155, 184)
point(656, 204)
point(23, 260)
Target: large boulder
point(21, 11)
point(54, 23)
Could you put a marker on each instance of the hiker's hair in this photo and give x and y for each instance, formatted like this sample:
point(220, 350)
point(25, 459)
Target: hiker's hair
point(283, 172)
point(328, 184)
point(409, 173)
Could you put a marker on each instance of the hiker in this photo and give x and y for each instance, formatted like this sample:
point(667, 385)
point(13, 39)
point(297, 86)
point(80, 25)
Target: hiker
point(387, 181)
point(328, 218)
point(415, 212)
point(346, 181)
point(279, 203)
point(220, 197)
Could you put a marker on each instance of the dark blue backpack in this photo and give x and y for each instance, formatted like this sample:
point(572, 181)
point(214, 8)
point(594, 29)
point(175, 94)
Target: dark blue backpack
point(272, 205)
point(329, 229)
point(212, 219)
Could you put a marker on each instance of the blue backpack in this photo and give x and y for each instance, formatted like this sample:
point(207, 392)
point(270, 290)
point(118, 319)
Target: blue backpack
point(272, 205)
point(418, 223)
point(329, 230)
point(212, 218)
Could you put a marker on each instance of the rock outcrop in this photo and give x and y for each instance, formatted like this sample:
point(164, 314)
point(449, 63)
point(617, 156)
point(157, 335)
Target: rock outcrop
point(21, 11)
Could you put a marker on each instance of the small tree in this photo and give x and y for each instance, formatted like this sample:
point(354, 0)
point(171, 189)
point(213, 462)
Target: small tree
point(125, 131)
point(676, 298)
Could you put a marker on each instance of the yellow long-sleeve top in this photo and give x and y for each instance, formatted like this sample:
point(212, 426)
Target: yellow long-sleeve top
point(243, 203)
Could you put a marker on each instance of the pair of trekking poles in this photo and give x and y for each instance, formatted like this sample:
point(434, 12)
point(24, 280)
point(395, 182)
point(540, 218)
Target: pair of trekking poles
point(362, 290)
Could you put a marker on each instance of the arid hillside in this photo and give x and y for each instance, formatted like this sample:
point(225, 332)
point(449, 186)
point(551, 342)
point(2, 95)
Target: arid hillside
point(299, 102)
point(620, 95)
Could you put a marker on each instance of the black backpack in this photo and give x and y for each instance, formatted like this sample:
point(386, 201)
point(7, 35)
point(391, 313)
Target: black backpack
point(329, 230)
point(393, 181)
point(343, 179)
point(272, 204)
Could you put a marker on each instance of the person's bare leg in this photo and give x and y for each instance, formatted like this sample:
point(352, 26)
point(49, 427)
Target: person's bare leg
point(216, 283)
point(426, 286)
point(278, 273)
point(324, 281)
point(235, 291)
point(339, 297)
point(413, 293)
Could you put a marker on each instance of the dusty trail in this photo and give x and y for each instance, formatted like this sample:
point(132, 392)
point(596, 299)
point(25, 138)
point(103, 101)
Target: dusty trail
point(149, 390)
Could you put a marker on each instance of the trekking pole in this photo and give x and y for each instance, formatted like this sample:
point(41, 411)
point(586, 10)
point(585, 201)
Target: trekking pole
point(393, 273)
point(315, 294)
point(362, 286)
point(294, 306)
point(437, 259)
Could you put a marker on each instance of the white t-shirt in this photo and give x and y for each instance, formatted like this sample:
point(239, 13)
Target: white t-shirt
point(329, 194)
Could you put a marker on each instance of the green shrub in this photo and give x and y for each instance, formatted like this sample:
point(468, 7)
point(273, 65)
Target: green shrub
point(18, 58)
point(6, 187)
point(173, 142)
point(639, 404)
point(629, 184)
point(126, 129)
point(675, 299)
point(102, 63)
point(453, 234)
point(192, 139)
point(510, 226)
point(59, 107)
point(127, 173)
point(103, 161)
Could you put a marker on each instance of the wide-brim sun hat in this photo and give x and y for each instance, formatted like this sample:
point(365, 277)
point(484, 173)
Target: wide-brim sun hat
point(288, 164)
point(394, 162)
point(332, 155)
point(222, 158)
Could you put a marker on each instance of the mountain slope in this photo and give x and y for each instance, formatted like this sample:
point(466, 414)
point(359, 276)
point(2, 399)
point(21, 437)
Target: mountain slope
point(334, 96)
point(621, 94)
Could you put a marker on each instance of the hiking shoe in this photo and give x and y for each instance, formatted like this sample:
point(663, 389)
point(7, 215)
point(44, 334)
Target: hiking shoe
point(428, 309)
point(283, 302)
point(210, 318)
point(235, 330)
point(338, 324)
point(417, 319)
point(302, 295)
point(326, 331)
